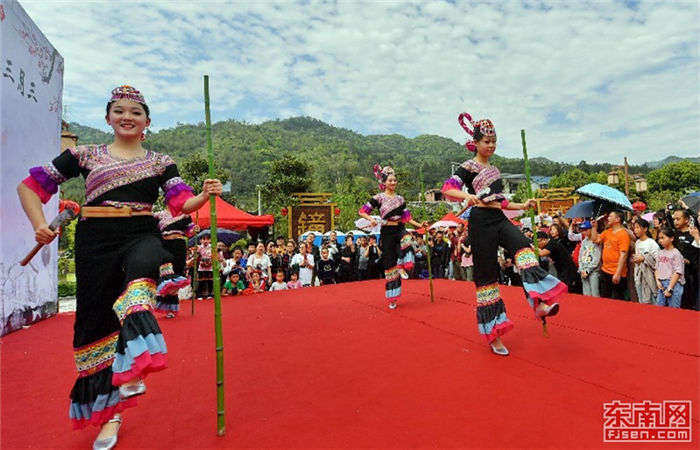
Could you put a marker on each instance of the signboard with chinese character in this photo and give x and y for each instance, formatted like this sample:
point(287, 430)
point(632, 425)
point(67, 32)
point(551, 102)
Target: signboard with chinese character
point(303, 218)
point(554, 205)
point(31, 87)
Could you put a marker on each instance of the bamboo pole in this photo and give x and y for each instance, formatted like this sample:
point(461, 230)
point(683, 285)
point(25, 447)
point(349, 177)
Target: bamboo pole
point(532, 215)
point(220, 409)
point(430, 270)
point(529, 193)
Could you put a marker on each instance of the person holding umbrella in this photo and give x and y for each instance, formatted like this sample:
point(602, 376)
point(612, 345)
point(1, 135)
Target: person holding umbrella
point(489, 229)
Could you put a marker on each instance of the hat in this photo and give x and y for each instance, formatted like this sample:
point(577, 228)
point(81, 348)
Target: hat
point(382, 173)
point(585, 225)
point(542, 235)
point(129, 93)
point(485, 127)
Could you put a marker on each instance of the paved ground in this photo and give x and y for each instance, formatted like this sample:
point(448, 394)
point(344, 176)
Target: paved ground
point(66, 304)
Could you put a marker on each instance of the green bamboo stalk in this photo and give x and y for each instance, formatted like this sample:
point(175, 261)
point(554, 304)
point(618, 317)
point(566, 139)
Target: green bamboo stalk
point(220, 409)
point(532, 215)
point(430, 270)
point(531, 211)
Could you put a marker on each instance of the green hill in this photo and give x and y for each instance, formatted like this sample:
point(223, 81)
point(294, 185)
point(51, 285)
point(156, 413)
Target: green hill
point(336, 154)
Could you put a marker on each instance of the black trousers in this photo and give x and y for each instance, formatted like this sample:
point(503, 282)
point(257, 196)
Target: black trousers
point(610, 290)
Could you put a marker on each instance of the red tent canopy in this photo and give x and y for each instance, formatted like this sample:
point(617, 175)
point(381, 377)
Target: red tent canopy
point(450, 216)
point(228, 216)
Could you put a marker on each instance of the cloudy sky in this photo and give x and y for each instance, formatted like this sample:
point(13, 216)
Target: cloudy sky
point(594, 80)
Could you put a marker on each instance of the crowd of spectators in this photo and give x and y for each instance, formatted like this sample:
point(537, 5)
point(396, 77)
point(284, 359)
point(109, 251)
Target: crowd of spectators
point(632, 260)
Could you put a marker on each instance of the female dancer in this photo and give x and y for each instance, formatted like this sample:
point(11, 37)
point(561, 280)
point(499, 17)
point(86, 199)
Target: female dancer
point(394, 240)
point(174, 234)
point(116, 339)
point(489, 228)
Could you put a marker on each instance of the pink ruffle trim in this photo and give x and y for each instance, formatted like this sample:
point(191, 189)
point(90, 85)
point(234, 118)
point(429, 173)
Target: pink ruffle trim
point(34, 185)
point(499, 330)
point(451, 183)
point(171, 287)
point(366, 209)
point(144, 364)
point(407, 266)
point(550, 296)
point(177, 201)
point(99, 418)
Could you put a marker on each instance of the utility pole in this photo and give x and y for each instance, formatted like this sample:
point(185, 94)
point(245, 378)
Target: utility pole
point(627, 187)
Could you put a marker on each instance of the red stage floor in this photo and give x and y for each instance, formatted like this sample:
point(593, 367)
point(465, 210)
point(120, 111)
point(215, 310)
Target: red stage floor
point(332, 367)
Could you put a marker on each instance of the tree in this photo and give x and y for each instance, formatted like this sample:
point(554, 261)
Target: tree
point(285, 176)
point(681, 177)
point(349, 196)
point(195, 169)
point(571, 178)
point(521, 193)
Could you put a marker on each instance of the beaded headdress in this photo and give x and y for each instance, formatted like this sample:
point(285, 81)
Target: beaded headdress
point(485, 127)
point(382, 174)
point(129, 93)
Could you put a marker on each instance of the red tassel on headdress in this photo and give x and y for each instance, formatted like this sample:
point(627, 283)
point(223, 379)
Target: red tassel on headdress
point(485, 126)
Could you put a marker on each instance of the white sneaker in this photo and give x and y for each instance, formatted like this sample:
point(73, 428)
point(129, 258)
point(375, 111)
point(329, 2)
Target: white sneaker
point(392, 305)
point(404, 274)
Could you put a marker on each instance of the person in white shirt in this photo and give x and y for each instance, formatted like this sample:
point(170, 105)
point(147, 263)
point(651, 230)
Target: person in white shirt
point(260, 261)
point(305, 262)
point(645, 250)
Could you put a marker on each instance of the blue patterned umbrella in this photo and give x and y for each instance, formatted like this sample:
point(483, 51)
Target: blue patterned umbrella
point(606, 194)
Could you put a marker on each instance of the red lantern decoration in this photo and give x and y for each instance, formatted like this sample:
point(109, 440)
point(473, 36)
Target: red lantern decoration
point(337, 211)
point(639, 206)
point(284, 212)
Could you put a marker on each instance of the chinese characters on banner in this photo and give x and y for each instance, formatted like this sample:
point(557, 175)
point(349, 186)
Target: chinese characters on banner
point(305, 218)
point(31, 90)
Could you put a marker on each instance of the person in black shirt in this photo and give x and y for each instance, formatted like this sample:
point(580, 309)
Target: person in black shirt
point(440, 253)
point(347, 261)
point(325, 268)
point(374, 264)
point(682, 220)
point(563, 262)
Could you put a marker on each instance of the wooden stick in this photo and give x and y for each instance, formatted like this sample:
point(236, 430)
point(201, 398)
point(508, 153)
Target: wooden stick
point(220, 409)
point(430, 270)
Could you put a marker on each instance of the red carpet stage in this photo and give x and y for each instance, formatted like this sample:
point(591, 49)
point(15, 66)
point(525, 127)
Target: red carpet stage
point(333, 367)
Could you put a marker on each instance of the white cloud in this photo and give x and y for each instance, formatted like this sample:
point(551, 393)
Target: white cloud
point(587, 80)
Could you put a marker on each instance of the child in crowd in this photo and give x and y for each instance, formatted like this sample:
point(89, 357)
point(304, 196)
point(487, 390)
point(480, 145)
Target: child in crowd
point(257, 283)
point(644, 259)
point(294, 282)
point(233, 284)
point(326, 268)
point(279, 284)
point(589, 259)
point(669, 270)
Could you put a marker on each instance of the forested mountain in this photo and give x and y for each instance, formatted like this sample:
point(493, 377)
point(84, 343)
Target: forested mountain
point(336, 155)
